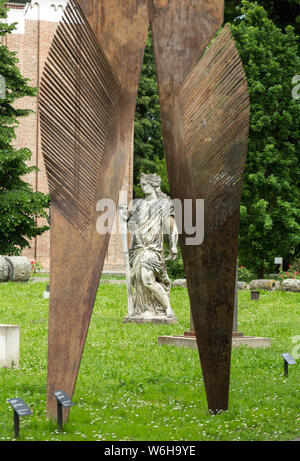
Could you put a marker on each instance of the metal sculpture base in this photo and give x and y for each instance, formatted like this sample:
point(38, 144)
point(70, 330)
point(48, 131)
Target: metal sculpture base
point(160, 320)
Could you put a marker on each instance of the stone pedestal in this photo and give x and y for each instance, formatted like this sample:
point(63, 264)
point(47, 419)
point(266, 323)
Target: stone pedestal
point(9, 345)
point(237, 340)
point(160, 320)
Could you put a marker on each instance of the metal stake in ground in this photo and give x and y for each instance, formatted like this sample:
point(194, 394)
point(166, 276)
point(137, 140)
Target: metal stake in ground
point(288, 360)
point(62, 401)
point(20, 409)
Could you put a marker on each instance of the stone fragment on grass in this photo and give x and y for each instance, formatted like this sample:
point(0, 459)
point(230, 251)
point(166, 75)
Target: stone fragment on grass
point(263, 284)
point(277, 285)
point(4, 273)
point(241, 285)
point(179, 283)
point(291, 285)
point(19, 268)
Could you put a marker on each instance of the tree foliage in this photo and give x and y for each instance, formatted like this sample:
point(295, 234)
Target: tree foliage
point(270, 205)
point(148, 145)
point(20, 205)
point(270, 211)
point(282, 12)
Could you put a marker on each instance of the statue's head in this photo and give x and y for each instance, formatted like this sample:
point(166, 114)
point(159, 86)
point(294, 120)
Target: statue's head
point(150, 183)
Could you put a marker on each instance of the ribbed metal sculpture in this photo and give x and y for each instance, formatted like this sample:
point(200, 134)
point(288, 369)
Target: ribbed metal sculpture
point(88, 98)
point(79, 96)
point(212, 109)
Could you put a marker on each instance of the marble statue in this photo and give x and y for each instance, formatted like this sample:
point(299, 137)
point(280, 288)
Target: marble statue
point(150, 220)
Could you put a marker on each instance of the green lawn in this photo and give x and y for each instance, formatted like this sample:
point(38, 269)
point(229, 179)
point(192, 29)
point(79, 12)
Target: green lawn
point(129, 388)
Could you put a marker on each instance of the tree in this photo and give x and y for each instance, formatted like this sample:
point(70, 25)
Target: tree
point(148, 145)
point(20, 205)
point(270, 211)
point(270, 204)
point(282, 12)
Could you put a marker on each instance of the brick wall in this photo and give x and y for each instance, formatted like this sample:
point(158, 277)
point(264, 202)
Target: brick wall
point(32, 41)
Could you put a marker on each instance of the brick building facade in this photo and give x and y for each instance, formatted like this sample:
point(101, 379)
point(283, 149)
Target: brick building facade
point(37, 22)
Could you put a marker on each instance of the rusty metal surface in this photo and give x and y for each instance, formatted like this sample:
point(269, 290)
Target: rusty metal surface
point(78, 99)
point(205, 127)
point(181, 31)
point(201, 145)
point(96, 160)
point(215, 106)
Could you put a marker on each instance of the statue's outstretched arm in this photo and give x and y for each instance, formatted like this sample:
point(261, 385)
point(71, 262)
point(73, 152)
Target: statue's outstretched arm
point(170, 228)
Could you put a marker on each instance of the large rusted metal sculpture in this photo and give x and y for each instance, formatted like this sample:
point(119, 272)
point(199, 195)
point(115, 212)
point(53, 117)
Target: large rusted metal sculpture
point(88, 97)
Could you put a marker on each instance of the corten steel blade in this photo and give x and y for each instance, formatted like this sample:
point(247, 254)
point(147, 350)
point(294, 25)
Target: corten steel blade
point(87, 102)
point(205, 118)
point(88, 98)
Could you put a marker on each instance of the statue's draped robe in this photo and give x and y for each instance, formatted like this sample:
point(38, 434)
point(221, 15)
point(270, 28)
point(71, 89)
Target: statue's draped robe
point(146, 222)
